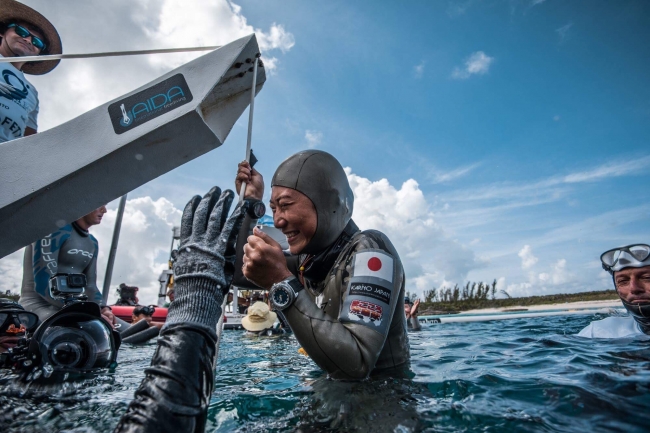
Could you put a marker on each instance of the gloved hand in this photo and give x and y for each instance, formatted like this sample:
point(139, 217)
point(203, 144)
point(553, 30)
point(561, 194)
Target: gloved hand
point(205, 260)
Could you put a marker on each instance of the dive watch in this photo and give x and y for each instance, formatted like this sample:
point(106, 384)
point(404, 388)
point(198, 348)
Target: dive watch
point(283, 294)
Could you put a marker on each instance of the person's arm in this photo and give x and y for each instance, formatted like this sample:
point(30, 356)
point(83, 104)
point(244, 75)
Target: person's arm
point(346, 347)
point(414, 323)
point(92, 291)
point(175, 393)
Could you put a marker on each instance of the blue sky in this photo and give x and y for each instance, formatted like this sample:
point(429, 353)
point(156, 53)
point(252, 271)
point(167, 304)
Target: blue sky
point(512, 135)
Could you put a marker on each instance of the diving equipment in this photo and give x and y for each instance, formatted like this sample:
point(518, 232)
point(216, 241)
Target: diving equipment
point(283, 294)
point(631, 256)
point(320, 177)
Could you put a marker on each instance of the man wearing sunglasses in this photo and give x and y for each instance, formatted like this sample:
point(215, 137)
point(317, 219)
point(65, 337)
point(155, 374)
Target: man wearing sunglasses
point(23, 32)
point(630, 270)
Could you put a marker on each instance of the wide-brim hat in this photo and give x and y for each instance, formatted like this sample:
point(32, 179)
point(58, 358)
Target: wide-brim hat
point(259, 317)
point(11, 10)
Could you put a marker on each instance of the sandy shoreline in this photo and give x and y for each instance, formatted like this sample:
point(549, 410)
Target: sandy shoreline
point(563, 306)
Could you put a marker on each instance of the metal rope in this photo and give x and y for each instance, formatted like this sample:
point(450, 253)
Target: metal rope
point(106, 54)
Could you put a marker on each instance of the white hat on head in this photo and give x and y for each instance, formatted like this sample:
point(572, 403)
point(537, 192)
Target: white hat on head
point(259, 317)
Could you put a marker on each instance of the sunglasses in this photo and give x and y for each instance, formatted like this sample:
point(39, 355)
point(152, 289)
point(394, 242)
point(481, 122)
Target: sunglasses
point(24, 33)
point(16, 323)
point(639, 251)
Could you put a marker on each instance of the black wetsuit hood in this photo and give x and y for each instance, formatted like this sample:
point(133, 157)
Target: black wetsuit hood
point(320, 177)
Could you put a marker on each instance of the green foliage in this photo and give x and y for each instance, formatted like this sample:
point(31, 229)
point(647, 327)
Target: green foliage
point(476, 295)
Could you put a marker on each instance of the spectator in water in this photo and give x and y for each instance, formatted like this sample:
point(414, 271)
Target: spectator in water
point(260, 320)
point(411, 312)
point(144, 313)
point(630, 270)
point(128, 295)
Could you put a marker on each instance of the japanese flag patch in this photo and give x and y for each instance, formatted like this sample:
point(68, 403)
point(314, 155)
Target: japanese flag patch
point(373, 264)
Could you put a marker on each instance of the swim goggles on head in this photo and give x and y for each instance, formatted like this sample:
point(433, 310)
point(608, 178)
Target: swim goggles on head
point(13, 322)
point(631, 256)
point(147, 310)
point(24, 33)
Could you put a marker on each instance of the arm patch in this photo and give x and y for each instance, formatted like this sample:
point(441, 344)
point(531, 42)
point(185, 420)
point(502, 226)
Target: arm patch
point(370, 290)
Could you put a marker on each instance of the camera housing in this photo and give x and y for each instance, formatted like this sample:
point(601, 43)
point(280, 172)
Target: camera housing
point(67, 285)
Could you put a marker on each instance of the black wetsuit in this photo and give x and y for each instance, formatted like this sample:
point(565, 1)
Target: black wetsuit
point(70, 249)
point(350, 317)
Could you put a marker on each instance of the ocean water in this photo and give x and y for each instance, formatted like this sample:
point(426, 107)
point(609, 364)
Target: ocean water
point(520, 375)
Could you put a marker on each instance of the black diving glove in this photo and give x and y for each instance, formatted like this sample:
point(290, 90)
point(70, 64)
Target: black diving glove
point(205, 260)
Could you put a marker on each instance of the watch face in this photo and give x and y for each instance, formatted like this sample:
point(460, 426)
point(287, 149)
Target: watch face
point(281, 297)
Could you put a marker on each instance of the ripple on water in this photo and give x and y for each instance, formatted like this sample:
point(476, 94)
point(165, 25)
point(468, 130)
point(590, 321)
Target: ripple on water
point(523, 375)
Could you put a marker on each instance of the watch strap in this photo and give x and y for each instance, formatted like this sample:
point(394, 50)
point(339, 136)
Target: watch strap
point(295, 284)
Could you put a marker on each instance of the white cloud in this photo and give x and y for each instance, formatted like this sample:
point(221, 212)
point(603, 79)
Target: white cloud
point(213, 22)
point(563, 31)
point(558, 279)
point(418, 70)
point(442, 177)
point(77, 86)
point(552, 186)
point(143, 249)
point(313, 138)
point(527, 257)
point(430, 256)
point(477, 63)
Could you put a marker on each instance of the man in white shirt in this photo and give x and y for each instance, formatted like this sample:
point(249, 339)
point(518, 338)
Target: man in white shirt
point(24, 32)
point(630, 269)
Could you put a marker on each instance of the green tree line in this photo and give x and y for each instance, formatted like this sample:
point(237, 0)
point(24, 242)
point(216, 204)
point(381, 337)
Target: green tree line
point(475, 295)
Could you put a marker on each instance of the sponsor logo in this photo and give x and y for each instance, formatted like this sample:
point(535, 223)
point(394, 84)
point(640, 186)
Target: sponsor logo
point(82, 252)
point(150, 103)
point(15, 88)
point(191, 268)
point(373, 264)
point(46, 251)
point(366, 312)
point(371, 290)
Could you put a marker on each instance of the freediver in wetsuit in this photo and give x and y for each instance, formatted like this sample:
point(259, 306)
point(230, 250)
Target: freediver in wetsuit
point(69, 250)
point(176, 390)
point(341, 289)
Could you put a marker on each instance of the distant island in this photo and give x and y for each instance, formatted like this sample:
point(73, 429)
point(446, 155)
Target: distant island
point(479, 295)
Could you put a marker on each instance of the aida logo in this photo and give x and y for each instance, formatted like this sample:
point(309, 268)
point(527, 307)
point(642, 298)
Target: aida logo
point(147, 107)
point(150, 103)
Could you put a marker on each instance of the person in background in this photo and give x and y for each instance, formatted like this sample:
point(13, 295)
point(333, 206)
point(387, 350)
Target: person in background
point(260, 321)
point(128, 295)
point(170, 295)
point(411, 312)
point(69, 250)
point(144, 313)
point(15, 323)
point(340, 289)
point(630, 270)
point(24, 32)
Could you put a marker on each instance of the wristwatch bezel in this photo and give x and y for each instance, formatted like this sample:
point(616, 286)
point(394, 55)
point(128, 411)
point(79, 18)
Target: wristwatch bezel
point(286, 285)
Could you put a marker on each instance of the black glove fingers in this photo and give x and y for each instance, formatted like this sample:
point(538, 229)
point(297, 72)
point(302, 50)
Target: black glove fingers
point(228, 238)
point(219, 215)
point(202, 213)
point(188, 218)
